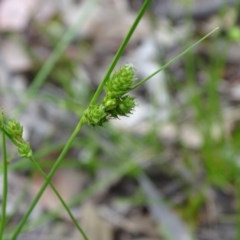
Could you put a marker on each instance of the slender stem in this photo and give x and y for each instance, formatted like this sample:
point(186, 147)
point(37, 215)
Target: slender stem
point(237, 182)
point(120, 50)
point(79, 125)
point(48, 179)
point(60, 198)
point(5, 185)
point(174, 59)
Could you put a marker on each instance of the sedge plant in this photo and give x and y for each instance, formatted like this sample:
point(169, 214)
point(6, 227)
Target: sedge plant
point(116, 102)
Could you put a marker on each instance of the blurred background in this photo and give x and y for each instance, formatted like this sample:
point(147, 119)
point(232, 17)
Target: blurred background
point(169, 171)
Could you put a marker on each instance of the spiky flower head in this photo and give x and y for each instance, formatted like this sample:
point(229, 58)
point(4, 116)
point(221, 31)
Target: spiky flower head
point(116, 102)
point(120, 82)
point(126, 105)
point(95, 115)
point(14, 128)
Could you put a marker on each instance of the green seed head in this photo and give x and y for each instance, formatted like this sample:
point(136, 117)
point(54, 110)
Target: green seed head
point(14, 131)
point(120, 82)
point(115, 103)
point(126, 106)
point(95, 115)
point(14, 128)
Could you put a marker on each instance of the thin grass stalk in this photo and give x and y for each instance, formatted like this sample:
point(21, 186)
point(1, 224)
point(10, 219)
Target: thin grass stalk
point(5, 186)
point(80, 123)
point(47, 180)
point(174, 59)
point(94, 99)
point(120, 50)
point(38, 167)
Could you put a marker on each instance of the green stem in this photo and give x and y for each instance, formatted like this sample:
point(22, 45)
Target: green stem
point(81, 122)
point(120, 51)
point(60, 198)
point(5, 185)
point(237, 182)
point(48, 179)
point(174, 59)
